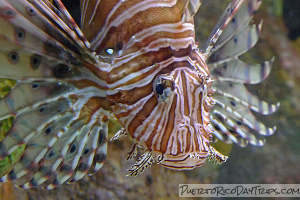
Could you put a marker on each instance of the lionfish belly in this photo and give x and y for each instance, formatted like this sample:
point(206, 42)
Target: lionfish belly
point(131, 60)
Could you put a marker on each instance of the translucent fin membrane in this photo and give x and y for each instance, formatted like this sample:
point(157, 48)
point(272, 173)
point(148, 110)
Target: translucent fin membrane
point(59, 102)
point(232, 117)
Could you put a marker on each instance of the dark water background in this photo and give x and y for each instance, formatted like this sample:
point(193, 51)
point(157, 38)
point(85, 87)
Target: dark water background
point(276, 162)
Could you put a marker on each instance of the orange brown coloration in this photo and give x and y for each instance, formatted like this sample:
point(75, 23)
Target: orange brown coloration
point(135, 61)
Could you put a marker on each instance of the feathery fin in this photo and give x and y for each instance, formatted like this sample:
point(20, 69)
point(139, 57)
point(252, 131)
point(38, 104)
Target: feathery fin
point(231, 117)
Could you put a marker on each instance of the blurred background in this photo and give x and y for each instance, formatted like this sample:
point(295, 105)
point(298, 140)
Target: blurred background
point(276, 162)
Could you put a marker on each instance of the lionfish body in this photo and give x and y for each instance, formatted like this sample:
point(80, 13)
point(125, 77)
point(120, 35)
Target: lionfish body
point(136, 61)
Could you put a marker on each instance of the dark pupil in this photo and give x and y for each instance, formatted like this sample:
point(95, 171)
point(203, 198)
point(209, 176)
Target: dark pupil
point(159, 89)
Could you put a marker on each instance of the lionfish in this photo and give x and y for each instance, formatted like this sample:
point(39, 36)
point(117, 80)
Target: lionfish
point(135, 61)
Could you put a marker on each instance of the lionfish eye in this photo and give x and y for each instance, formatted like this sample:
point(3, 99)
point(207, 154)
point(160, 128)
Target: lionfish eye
point(159, 89)
point(163, 87)
point(110, 53)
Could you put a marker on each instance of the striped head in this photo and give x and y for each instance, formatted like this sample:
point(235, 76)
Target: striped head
point(167, 113)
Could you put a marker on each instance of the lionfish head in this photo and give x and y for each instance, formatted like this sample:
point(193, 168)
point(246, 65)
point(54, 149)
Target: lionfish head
point(168, 115)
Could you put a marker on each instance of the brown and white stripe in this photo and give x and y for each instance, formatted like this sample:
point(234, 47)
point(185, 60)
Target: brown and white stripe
point(155, 39)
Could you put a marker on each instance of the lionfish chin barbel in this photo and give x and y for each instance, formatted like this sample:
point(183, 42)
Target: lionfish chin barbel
point(131, 60)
